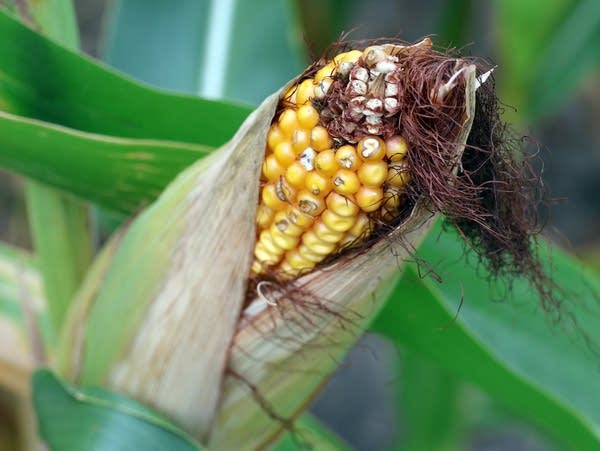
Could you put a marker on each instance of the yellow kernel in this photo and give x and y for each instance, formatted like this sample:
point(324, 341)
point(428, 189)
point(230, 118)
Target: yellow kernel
point(275, 136)
point(266, 241)
point(398, 175)
point(345, 181)
point(271, 168)
point(257, 267)
point(326, 234)
point(318, 184)
point(288, 122)
point(348, 57)
point(371, 148)
point(264, 256)
point(369, 198)
point(305, 91)
point(392, 198)
point(326, 163)
point(373, 172)
point(341, 205)
point(271, 199)
point(283, 240)
point(284, 191)
point(361, 226)
point(296, 261)
point(300, 140)
point(299, 218)
point(308, 116)
point(320, 139)
point(347, 157)
point(264, 216)
point(284, 153)
point(285, 225)
point(309, 203)
point(396, 148)
point(315, 244)
point(309, 255)
point(290, 95)
point(295, 174)
point(337, 223)
point(326, 71)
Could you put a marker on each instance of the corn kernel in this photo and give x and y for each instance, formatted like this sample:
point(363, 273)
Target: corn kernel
point(271, 169)
point(345, 181)
point(283, 240)
point(348, 57)
point(264, 256)
point(392, 198)
point(271, 199)
point(341, 205)
point(284, 191)
point(326, 234)
point(318, 184)
point(299, 218)
point(305, 91)
point(315, 244)
point(320, 139)
point(347, 157)
point(264, 216)
point(337, 223)
point(398, 175)
point(396, 148)
point(306, 253)
point(300, 140)
point(373, 172)
point(361, 226)
point(326, 71)
point(296, 261)
point(288, 122)
point(266, 240)
point(295, 174)
point(369, 198)
point(275, 136)
point(285, 225)
point(309, 203)
point(284, 153)
point(371, 148)
point(308, 116)
point(326, 163)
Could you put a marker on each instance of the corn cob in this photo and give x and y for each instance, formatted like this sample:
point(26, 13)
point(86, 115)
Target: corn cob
point(322, 193)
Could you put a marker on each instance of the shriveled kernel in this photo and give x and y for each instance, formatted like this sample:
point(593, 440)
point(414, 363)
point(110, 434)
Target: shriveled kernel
point(284, 153)
point(305, 91)
point(308, 116)
point(284, 191)
point(325, 233)
point(285, 225)
point(296, 261)
point(345, 181)
point(326, 163)
point(398, 174)
point(282, 240)
point(300, 140)
point(369, 198)
point(264, 216)
point(373, 172)
point(371, 148)
point(341, 205)
point(347, 157)
point(270, 198)
point(361, 226)
point(337, 223)
point(288, 122)
point(396, 148)
point(318, 184)
point(266, 240)
point(295, 174)
point(322, 88)
point(309, 203)
point(307, 158)
point(320, 139)
point(326, 71)
point(312, 256)
point(315, 244)
point(272, 169)
point(299, 218)
point(275, 136)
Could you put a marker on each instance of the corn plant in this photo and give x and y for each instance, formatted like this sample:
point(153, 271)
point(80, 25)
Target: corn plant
point(249, 256)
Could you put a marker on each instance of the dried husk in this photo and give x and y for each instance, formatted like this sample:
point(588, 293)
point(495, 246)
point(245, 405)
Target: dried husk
point(158, 316)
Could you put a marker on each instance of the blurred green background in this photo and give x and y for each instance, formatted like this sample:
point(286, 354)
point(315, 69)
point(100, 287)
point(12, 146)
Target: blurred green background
point(548, 57)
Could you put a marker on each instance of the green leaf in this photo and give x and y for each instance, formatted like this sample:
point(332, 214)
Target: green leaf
point(95, 419)
point(233, 49)
point(509, 348)
point(42, 80)
point(312, 434)
point(119, 174)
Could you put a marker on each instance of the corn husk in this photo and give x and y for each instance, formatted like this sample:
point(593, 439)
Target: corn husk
point(160, 316)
